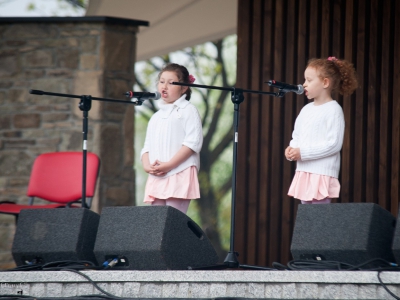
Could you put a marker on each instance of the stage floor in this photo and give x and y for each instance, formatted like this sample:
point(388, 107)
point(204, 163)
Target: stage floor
point(279, 284)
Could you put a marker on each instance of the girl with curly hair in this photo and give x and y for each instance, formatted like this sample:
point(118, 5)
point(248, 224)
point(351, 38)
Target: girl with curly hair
point(318, 132)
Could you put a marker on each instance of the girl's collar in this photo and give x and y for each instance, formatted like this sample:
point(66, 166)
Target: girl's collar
point(181, 103)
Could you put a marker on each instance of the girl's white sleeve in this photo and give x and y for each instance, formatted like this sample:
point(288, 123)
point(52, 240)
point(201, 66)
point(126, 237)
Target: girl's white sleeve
point(193, 129)
point(297, 125)
point(146, 146)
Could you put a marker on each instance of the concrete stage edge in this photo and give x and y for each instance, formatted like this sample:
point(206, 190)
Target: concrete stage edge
point(204, 284)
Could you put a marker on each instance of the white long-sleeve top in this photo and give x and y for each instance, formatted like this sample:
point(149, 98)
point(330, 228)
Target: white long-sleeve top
point(318, 132)
point(171, 127)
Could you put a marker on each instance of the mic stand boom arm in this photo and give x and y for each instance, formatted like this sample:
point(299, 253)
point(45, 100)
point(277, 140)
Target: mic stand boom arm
point(85, 105)
point(237, 97)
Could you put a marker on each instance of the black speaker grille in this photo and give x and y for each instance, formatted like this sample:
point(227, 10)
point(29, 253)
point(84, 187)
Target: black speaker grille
point(346, 232)
point(50, 235)
point(152, 238)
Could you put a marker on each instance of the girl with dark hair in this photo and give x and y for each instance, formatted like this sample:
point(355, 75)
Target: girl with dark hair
point(173, 142)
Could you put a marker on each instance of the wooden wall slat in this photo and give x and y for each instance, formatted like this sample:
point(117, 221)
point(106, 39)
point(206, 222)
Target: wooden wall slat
point(281, 36)
point(395, 154)
point(346, 174)
point(326, 34)
point(313, 29)
point(288, 104)
point(254, 118)
point(372, 138)
point(384, 124)
point(244, 43)
point(338, 29)
point(265, 161)
point(360, 117)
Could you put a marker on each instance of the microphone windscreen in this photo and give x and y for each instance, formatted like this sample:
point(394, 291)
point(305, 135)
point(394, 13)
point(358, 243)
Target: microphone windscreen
point(158, 95)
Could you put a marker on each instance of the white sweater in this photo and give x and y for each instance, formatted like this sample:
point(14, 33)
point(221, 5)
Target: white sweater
point(171, 127)
point(318, 132)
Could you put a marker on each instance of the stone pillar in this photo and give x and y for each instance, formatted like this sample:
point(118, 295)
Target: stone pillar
point(73, 55)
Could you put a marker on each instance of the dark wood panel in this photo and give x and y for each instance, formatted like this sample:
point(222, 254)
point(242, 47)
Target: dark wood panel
point(254, 119)
point(372, 137)
point(384, 118)
point(244, 43)
point(326, 34)
point(347, 170)
point(360, 116)
point(275, 41)
point(265, 158)
point(287, 128)
point(395, 151)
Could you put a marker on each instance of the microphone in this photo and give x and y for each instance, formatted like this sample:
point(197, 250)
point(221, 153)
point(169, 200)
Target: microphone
point(284, 87)
point(143, 95)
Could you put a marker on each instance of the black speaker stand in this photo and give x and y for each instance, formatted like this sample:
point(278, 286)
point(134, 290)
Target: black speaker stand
point(231, 261)
point(85, 105)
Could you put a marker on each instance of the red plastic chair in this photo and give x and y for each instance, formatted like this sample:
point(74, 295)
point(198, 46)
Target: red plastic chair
point(57, 177)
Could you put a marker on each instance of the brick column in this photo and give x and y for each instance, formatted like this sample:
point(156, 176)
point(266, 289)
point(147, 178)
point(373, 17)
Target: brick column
point(73, 55)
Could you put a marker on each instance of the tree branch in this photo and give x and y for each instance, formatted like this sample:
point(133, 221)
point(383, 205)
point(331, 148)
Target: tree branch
point(224, 188)
point(226, 140)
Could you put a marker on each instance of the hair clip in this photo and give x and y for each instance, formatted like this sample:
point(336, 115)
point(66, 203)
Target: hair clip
point(191, 78)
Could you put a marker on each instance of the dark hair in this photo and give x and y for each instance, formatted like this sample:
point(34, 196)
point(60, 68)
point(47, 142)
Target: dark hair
point(181, 72)
point(341, 73)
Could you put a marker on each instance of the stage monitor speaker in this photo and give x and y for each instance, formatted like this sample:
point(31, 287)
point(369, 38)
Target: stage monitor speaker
point(152, 238)
point(396, 240)
point(60, 234)
point(351, 233)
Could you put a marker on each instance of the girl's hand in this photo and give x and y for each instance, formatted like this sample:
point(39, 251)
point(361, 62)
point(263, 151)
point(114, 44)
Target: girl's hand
point(150, 168)
point(161, 168)
point(294, 154)
point(287, 152)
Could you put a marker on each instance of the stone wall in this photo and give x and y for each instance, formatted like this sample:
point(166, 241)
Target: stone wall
point(209, 284)
point(79, 56)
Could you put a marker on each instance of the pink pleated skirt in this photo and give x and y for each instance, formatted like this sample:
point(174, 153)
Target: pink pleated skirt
point(307, 186)
point(183, 185)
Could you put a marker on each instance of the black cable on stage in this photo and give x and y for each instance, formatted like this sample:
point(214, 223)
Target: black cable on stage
point(68, 262)
point(11, 297)
point(375, 264)
point(383, 264)
point(306, 265)
point(91, 281)
point(94, 296)
point(279, 266)
point(66, 265)
point(317, 265)
point(24, 268)
point(385, 287)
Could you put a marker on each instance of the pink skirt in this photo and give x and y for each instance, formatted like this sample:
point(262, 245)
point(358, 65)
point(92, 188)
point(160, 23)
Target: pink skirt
point(183, 185)
point(307, 186)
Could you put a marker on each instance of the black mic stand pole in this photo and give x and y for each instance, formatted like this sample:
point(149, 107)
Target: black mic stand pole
point(237, 97)
point(85, 105)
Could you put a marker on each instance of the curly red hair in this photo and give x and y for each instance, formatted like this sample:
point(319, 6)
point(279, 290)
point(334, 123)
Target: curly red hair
point(341, 73)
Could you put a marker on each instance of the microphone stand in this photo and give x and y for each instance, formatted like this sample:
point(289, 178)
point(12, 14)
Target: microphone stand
point(237, 97)
point(85, 105)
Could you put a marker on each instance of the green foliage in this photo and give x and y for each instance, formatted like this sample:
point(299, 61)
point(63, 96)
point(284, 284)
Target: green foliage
point(73, 6)
point(77, 3)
